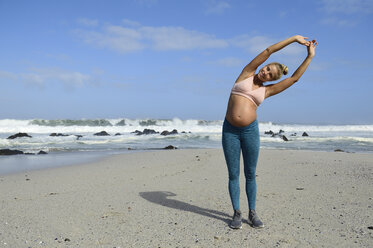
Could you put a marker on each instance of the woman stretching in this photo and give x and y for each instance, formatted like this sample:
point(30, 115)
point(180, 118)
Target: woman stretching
point(240, 128)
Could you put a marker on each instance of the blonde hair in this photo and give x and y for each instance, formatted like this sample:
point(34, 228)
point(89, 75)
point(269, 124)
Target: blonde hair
point(282, 69)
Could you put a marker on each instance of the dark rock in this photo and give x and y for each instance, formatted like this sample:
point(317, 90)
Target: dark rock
point(284, 138)
point(19, 135)
point(183, 132)
point(338, 150)
point(29, 153)
point(165, 132)
point(58, 134)
point(270, 132)
point(42, 152)
point(281, 131)
point(79, 136)
point(370, 227)
point(149, 131)
point(305, 134)
point(117, 134)
point(300, 188)
point(294, 134)
point(168, 133)
point(146, 131)
point(170, 147)
point(10, 152)
point(102, 133)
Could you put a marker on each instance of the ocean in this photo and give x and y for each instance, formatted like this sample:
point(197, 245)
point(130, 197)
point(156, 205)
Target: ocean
point(80, 143)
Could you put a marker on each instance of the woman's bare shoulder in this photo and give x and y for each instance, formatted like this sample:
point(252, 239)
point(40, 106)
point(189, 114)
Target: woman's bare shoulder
point(245, 75)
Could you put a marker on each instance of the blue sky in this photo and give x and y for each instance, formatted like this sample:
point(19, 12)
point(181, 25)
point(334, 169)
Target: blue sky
point(165, 59)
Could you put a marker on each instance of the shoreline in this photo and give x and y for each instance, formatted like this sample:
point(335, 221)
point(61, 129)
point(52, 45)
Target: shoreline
point(76, 158)
point(179, 198)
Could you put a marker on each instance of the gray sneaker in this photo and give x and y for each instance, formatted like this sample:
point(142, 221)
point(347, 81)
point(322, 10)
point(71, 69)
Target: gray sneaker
point(254, 220)
point(236, 222)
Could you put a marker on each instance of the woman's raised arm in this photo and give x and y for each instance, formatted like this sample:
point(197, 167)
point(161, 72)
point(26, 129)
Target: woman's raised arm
point(263, 56)
point(274, 89)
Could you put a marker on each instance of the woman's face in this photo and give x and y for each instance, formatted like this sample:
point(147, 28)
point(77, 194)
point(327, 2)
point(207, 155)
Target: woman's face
point(268, 73)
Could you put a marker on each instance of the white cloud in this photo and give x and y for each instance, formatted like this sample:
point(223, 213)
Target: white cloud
point(178, 38)
point(113, 38)
point(135, 37)
point(123, 32)
point(320, 66)
point(130, 39)
point(334, 21)
point(347, 6)
point(7, 75)
point(257, 44)
point(217, 7)
point(294, 49)
point(283, 14)
point(88, 22)
point(254, 44)
point(42, 77)
point(131, 23)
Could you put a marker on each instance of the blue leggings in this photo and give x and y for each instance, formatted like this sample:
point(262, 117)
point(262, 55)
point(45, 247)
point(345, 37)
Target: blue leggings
point(234, 139)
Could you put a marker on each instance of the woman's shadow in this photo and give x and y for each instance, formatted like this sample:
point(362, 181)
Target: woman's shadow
point(161, 198)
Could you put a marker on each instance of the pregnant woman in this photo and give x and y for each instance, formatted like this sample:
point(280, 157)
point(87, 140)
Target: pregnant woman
point(240, 128)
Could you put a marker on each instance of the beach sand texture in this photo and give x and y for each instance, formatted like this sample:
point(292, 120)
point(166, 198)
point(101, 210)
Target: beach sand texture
point(179, 198)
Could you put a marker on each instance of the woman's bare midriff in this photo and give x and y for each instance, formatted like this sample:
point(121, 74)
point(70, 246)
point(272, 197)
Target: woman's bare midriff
point(241, 111)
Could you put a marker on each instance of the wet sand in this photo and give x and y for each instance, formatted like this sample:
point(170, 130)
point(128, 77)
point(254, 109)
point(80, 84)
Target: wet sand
point(179, 198)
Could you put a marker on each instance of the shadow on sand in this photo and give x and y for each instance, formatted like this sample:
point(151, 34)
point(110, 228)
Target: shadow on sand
point(161, 198)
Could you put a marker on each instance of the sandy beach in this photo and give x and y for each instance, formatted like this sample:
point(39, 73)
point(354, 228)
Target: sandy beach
point(179, 198)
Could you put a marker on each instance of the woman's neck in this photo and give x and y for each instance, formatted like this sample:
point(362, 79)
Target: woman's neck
point(257, 81)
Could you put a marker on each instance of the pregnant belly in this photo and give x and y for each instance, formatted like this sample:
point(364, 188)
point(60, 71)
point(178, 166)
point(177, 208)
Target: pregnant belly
point(241, 111)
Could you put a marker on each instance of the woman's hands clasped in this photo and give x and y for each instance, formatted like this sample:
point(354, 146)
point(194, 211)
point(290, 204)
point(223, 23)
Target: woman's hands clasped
point(311, 45)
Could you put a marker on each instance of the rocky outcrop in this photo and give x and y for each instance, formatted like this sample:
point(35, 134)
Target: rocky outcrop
point(284, 138)
point(102, 133)
point(58, 135)
point(151, 131)
point(10, 152)
point(170, 147)
point(146, 131)
point(6, 152)
point(169, 133)
point(19, 135)
point(279, 134)
point(270, 132)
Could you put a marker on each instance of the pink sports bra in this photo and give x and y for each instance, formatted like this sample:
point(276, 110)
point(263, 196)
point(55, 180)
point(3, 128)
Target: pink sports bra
point(245, 88)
